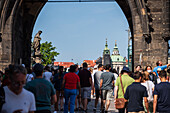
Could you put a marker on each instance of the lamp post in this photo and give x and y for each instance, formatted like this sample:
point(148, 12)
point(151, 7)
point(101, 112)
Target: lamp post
point(129, 49)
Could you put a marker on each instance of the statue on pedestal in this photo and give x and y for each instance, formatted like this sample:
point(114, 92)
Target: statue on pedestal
point(36, 43)
point(36, 48)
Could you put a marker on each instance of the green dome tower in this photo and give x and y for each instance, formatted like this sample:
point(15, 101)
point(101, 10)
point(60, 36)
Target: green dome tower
point(106, 55)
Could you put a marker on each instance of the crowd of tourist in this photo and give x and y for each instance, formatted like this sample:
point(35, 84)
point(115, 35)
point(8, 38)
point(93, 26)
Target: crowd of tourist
point(47, 90)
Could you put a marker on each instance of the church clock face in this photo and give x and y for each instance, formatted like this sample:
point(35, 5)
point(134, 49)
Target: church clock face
point(107, 52)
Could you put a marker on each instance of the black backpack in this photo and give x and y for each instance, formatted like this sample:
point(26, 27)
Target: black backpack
point(2, 97)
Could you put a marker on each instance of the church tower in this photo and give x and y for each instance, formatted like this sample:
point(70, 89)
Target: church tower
point(106, 55)
point(115, 50)
point(117, 61)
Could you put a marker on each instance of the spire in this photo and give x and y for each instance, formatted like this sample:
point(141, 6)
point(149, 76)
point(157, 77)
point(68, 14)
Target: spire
point(106, 43)
point(106, 46)
point(115, 43)
point(115, 50)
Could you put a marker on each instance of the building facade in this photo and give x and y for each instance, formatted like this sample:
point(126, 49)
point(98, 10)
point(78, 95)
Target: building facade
point(117, 61)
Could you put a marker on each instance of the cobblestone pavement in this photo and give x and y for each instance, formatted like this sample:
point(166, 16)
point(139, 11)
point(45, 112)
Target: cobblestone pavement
point(91, 106)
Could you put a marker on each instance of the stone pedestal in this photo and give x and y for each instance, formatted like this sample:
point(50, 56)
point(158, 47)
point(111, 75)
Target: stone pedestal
point(37, 57)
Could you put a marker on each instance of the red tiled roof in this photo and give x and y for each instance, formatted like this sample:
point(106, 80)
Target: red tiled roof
point(91, 63)
point(64, 64)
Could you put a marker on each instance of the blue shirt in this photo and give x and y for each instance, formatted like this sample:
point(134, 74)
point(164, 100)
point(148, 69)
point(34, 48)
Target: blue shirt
point(77, 72)
point(162, 68)
point(163, 101)
point(135, 93)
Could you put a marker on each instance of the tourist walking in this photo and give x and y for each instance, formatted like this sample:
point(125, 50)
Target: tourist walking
point(93, 93)
point(126, 81)
point(78, 98)
point(115, 74)
point(43, 91)
point(97, 76)
point(29, 76)
point(86, 85)
point(158, 72)
point(17, 99)
point(150, 88)
point(57, 80)
point(71, 81)
point(47, 74)
point(161, 101)
point(106, 86)
point(152, 77)
point(92, 76)
point(134, 95)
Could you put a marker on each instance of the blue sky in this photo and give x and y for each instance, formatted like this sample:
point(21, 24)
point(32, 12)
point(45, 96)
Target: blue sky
point(79, 30)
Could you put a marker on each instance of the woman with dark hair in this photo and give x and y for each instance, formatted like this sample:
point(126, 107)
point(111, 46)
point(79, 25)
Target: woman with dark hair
point(57, 80)
point(152, 77)
point(138, 68)
point(115, 73)
point(71, 81)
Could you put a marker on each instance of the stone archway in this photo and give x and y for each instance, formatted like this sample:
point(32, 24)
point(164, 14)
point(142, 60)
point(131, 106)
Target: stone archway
point(148, 21)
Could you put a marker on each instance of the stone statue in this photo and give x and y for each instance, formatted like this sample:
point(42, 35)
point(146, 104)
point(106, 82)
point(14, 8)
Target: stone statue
point(36, 43)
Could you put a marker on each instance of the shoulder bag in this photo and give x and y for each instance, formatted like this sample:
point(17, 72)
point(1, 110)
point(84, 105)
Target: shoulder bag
point(120, 102)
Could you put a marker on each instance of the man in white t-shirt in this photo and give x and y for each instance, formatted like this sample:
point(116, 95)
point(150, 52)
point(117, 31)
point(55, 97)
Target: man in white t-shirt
point(47, 74)
point(17, 99)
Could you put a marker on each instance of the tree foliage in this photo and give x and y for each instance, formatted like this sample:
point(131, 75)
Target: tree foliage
point(48, 53)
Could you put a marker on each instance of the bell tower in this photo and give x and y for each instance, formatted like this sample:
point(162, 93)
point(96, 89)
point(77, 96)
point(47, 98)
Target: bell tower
point(106, 55)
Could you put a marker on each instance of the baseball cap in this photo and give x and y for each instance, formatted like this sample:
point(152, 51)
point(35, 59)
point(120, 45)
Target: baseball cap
point(126, 69)
point(159, 69)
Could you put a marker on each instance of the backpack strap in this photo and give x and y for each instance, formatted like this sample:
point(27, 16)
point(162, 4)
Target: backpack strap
point(2, 97)
point(122, 85)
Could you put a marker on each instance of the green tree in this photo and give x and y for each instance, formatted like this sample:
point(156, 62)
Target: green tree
point(48, 53)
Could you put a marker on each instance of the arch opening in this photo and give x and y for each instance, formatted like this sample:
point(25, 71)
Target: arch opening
point(88, 26)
